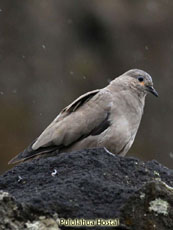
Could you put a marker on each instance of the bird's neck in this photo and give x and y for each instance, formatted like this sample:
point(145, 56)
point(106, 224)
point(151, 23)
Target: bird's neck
point(132, 95)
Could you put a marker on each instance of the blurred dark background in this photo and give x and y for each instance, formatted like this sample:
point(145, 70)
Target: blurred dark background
point(53, 51)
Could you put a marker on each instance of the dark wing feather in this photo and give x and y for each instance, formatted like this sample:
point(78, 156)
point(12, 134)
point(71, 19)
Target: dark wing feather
point(101, 127)
point(97, 130)
point(80, 101)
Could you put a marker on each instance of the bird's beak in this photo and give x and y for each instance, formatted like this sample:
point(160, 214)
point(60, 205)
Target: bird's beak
point(152, 90)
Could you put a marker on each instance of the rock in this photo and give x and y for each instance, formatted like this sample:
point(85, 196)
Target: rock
point(9, 212)
point(14, 216)
point(151, 207)
point(88, 184)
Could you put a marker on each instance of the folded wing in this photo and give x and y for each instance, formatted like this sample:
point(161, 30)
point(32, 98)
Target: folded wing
point(87, 115)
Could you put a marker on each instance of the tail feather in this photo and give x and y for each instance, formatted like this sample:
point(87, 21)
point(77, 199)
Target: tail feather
point(29, 153)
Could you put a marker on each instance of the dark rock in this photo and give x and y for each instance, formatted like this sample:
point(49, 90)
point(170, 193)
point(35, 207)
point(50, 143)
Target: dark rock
point(93, 184)
point(151, 207)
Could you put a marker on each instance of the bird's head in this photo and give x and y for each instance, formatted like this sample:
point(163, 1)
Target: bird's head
point(141, 81)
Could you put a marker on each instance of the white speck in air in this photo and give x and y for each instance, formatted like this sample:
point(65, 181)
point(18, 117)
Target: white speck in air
point(43, 46)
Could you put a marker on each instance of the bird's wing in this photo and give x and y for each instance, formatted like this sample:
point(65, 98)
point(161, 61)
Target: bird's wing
point(87, 115)
point(79, 101)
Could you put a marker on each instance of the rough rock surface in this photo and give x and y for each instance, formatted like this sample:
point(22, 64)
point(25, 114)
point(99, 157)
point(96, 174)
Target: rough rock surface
point(87, 184)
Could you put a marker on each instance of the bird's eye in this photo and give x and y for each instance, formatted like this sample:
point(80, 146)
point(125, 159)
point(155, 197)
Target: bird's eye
point(140, 79)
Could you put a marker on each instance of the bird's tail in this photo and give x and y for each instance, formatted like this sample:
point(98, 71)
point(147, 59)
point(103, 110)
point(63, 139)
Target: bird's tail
point(29, 153)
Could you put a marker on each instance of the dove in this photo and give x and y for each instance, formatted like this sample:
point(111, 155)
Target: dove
point(107, 117)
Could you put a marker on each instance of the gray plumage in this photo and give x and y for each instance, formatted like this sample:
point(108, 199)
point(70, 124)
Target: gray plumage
point(107, 117)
